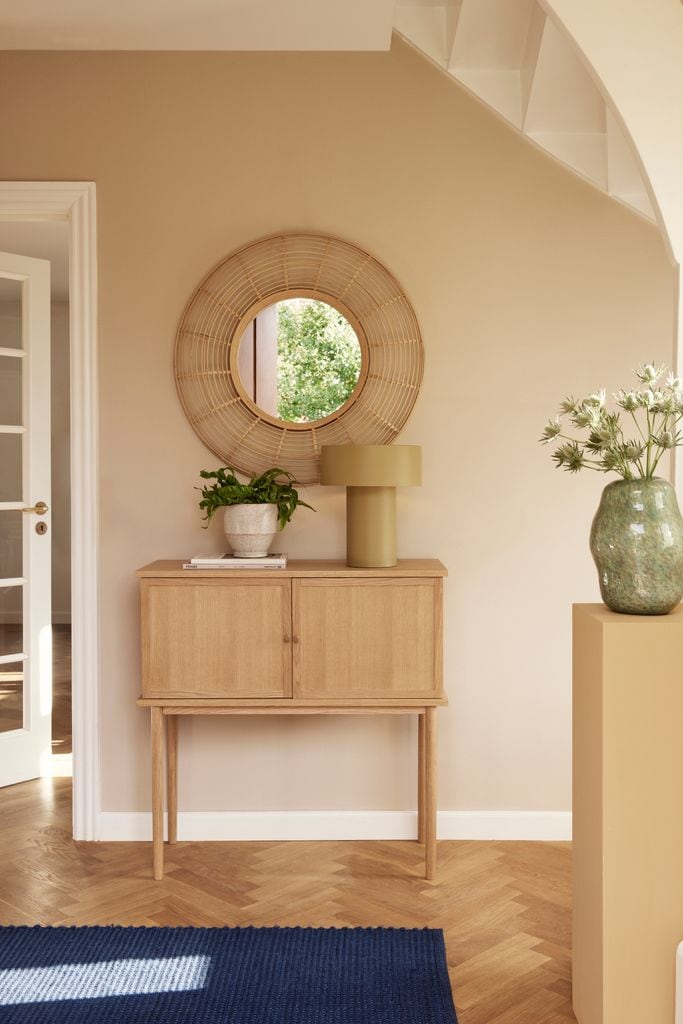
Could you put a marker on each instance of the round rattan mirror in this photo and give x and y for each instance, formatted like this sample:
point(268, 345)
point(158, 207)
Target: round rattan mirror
point(253, 403)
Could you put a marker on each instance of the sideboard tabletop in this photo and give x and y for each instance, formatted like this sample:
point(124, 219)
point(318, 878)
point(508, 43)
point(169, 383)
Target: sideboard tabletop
point(298, 568)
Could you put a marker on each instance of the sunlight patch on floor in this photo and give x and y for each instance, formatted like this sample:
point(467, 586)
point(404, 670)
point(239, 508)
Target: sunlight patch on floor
point(59, 766)
point(102, 980)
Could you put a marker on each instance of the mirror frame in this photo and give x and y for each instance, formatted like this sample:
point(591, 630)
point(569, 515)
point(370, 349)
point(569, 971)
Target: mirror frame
point(297, 265)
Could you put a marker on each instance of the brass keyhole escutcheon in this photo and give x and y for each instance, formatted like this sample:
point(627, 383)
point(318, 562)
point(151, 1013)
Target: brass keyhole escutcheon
point(41, 528)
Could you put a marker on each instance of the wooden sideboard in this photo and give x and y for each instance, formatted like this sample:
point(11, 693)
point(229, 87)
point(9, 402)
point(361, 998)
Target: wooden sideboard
point(317, 637)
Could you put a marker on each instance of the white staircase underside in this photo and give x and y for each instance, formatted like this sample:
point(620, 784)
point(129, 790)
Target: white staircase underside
point(512, 56)
point(508, 53)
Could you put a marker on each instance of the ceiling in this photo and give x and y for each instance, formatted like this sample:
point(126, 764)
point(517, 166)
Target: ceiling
point(48, 240)
point(197, 25)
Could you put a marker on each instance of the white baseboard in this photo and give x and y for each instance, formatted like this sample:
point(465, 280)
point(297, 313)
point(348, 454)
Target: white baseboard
point(546, 826)
point(255, 826)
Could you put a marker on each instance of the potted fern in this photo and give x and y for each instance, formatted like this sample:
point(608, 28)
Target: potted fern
point(253, 511)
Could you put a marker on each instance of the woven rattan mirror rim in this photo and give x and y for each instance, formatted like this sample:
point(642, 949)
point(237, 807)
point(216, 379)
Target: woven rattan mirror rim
point(313, 266)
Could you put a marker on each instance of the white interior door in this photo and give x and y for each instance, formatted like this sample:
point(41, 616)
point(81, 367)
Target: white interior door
point(25, 527)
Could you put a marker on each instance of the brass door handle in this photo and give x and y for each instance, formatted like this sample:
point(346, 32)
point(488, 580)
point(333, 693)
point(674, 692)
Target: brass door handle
point(40, 508)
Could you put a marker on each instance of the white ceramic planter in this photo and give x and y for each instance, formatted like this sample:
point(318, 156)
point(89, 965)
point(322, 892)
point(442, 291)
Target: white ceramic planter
point(250, 529)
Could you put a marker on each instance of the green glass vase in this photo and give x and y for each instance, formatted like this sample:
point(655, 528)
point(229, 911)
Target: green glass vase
point(637, 545)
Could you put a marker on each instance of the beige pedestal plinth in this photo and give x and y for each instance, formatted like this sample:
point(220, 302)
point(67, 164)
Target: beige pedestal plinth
point(628, 814)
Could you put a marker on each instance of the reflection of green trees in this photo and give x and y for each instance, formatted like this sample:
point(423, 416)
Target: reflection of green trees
point(318, 360)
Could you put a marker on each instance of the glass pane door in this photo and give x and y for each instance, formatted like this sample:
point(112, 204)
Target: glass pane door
point(12, 644)
point(25, 541)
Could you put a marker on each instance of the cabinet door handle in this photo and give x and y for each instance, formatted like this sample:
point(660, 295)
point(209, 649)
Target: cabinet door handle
point(286, 639)
point(295, 639)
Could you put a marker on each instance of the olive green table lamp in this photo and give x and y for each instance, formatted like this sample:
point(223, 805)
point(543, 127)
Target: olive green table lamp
point(371, 473)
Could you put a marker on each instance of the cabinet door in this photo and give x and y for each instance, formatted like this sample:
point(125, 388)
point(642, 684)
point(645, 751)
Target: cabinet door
point(216, 638)
point(367, 638)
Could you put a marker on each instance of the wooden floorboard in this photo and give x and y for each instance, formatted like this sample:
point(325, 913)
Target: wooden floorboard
point(504, 907)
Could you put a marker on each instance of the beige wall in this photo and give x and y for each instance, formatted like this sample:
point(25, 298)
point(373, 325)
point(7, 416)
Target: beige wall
point(527, 284)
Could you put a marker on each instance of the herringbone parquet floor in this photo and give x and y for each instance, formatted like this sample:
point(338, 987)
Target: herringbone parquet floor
point(504, 907)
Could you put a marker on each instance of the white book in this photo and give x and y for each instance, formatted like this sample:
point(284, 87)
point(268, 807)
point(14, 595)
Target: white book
point(223, 560)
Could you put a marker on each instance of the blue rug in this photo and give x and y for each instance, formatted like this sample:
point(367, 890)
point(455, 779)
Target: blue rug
point(224, 976)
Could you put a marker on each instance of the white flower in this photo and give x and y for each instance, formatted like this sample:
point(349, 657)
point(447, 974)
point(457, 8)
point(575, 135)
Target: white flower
point(570, 457)
point(659, 393)
point(551, 430)
point(585, 417)
point(610, 461)
point(649, 398)
point(664, 403)
point(665, 440)
point(648, 373)
point(596, 400)
point(568, 405)
point(628, 400)
point(633, 450)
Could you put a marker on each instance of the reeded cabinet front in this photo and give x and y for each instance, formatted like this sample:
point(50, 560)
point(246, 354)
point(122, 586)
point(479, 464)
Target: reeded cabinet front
point(216, 638)
point(367, 638)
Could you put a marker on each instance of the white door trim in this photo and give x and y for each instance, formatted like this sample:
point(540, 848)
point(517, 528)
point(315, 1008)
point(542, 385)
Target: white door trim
point(75, 203)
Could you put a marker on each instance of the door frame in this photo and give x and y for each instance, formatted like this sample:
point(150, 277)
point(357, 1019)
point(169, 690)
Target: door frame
point(75, 203)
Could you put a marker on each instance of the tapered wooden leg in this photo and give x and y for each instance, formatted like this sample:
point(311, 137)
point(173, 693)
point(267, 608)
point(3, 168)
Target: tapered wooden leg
point(158, 791)
point(430, 792)
point(172, 776)
point(421, 777)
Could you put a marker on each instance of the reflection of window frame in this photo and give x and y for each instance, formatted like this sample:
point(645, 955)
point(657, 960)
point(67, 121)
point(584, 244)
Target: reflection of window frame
point(257, 369)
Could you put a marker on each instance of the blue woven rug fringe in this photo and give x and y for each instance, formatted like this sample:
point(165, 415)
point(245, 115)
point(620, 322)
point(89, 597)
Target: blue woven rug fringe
point(224, 976)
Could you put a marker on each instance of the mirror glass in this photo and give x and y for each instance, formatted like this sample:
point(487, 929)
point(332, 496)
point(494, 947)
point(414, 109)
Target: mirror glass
point(299, 360)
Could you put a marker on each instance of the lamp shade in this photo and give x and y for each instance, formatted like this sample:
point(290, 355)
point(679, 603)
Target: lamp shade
point(371, 465)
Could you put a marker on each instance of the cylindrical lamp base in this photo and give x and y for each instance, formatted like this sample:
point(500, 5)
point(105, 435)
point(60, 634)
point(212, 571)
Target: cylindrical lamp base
point(371, 527)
